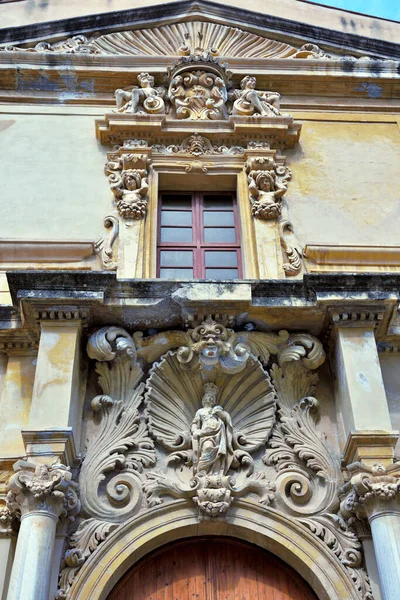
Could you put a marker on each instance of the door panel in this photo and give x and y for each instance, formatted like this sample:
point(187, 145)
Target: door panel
point(211, 569)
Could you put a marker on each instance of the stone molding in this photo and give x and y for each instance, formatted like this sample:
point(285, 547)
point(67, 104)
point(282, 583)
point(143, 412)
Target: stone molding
point(58, 443)
point(39, 489)
point(370, 447)
point(354, 316)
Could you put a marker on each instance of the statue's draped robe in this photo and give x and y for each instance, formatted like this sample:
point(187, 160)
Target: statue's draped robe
point(213, 451)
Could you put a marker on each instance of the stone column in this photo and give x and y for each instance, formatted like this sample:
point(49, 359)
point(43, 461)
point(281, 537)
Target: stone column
point(40, 495)
point(374, 494)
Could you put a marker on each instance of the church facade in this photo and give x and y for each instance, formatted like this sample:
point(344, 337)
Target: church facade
point(200, 274)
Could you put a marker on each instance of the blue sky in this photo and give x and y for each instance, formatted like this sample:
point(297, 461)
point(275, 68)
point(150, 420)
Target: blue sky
point(387, 9)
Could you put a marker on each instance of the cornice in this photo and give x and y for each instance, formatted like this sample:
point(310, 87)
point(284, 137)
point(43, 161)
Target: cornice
point(144, 303)
point(282, 28)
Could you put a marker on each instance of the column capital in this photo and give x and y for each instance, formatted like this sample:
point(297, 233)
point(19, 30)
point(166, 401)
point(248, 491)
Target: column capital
point(39, 488)
point(372, 491)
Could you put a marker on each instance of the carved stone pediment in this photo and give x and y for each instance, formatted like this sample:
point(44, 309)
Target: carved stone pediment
point(178, 39)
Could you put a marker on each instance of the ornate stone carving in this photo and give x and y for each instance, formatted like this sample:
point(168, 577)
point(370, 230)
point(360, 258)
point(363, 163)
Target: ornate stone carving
point(213, 403)
point(144, 99)
point(83, 543)
point(197, 88)
point(371, 490)
point(308, 475)
point(127, 175)
point(267, 185)
point(197, 145)
point(179, 39)
point(249, 102)
point(121, 445)
point(40, 488)
point(292, 248)
point(105, 244)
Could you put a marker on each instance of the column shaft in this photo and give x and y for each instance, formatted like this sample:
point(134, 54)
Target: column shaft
point(385, 529)
point(31, 572)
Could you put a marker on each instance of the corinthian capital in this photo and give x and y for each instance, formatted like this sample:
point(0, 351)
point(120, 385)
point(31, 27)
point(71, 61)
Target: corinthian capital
point(39, 488)
point(371, 491)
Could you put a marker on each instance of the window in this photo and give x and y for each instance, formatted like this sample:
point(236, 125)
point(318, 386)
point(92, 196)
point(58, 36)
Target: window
point(198, 236)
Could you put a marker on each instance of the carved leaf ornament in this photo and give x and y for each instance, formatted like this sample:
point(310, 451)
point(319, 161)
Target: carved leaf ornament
point(188, 415)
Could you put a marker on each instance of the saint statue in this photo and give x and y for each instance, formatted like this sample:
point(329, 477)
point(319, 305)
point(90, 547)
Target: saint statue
point(249, 101)
point(145, 98)
point(212, 434)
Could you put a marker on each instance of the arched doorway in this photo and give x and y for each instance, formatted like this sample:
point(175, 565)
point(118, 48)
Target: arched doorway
point(211, 568)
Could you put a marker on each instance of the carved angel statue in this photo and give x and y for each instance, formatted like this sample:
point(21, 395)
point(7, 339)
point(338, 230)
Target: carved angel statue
point(248, 101)
point(212, 435)
point(130, 190)
point(143, 99)
point(266, 192)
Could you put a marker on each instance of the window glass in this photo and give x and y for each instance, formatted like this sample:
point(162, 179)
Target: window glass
point(174, 217)
point(180, 235)
point(220, 235)
point(177, 201)
point(176, 258)
point(222, 273)
point(176, 273)
point(221, 259)
point(219, 218)
point(217, 202)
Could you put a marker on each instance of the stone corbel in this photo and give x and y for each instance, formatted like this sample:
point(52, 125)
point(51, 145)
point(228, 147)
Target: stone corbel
point(128, 176)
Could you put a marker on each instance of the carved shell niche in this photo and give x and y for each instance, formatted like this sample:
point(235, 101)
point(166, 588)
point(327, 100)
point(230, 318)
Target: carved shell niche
point(173, 396)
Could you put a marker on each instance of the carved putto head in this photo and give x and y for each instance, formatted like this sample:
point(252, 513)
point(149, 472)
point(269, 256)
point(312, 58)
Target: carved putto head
point(265, 180)
point(131, 179)
point(248, 82)
point(145, 80)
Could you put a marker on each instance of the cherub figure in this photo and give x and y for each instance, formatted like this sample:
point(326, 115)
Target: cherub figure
point(130, 191)
point(265, 194)
point(217, 100)
point(249, 101)
point(145, 98)
point(212, 435)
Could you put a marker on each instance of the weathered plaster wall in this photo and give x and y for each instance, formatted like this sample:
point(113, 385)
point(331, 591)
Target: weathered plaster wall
point(345, 186)
point(52, 176)
point(346, 182)
point(390, 364)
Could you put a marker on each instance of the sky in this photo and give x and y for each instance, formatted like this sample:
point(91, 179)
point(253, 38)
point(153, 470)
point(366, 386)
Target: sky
point(387, 9)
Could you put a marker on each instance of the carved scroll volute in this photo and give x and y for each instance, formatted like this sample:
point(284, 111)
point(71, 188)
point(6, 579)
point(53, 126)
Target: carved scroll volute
point(118, 451)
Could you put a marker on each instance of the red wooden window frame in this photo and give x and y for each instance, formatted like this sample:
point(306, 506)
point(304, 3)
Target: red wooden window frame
point(198, 245)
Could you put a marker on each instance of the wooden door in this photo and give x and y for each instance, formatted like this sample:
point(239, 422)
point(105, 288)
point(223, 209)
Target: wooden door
point(211, 569)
